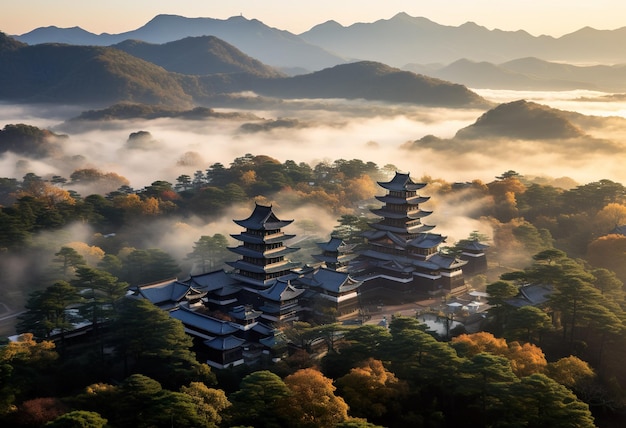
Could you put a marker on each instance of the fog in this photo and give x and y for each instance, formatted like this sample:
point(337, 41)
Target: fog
point(317, 130)
point(323, 130)
point(326, 130)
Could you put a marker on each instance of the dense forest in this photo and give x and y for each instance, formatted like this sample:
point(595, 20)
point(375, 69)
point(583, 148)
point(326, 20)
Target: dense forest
point(558, 365)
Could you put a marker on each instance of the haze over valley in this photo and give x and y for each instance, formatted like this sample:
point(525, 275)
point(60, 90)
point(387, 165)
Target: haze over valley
point(396, 170)
point(196, 99)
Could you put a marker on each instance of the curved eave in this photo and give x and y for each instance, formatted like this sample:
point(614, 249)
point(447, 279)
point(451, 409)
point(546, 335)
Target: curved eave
point(399, 185)
point(253, 224)
point(419, 228)
point(276, 267)
point(252, 239)
point(427, 241)
point(410, 215)
point(248, 252)
point(395, 200)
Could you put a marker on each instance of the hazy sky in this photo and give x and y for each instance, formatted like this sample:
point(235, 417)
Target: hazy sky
point(552, 17)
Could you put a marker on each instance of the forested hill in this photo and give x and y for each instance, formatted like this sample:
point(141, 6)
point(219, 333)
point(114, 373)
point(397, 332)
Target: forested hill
point(373, 81)
point(524, 120)
point(103, 76)
point(198, 55)
point(57, 73)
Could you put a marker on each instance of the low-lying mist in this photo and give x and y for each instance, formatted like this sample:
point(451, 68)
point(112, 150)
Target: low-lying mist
point(326, 130)
point(314, 131)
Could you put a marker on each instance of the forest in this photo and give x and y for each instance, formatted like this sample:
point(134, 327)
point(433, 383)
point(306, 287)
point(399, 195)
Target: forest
point(558, 365)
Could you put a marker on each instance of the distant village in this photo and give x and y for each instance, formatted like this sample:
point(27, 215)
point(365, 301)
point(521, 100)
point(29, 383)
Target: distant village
point(236, 317)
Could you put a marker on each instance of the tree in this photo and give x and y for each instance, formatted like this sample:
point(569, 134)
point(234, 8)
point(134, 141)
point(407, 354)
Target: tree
point(144, 403)
point(210, 402)
point(39, 411)
point(358, 345)
point(372, 392)
point(609, 217)
point(70, 259)
point(24, 366)
point(570, 371)
point(538, 401)
point(49, 311)
point(146, 266)
point(256, 401)
point(484, 376)
point(524, 359)
point(350, 228)
point(312, 402)
point(608, 252)
point(209, 251)
point(594, 196)
point(152, 343)
point(79, 419)
point(534, 240)
point(183, 182)
point(527, 323)
point(499, 292)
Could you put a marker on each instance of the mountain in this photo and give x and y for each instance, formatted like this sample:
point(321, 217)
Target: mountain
point(197, 55)
point(277, 48)
point(372, 81)
point(521, 120)
point(102, 76)
point(83, 74)
point(404, 39)
point(610, 78)
point(529, 74)
point(30, 140)
point(125, 111)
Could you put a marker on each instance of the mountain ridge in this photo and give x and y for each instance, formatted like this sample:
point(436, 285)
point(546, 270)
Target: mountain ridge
point(100, 75)
point(397, 41)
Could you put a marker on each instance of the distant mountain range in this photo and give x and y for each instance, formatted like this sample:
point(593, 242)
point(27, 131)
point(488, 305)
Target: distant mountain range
point(405, 39)
point(397, 41)
point(101, 76)
point(529, 74)
point(269, 45)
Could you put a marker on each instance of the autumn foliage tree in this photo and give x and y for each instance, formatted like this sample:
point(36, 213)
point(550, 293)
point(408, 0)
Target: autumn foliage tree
point(609, 252)
point(372, 392)
point(312, 402)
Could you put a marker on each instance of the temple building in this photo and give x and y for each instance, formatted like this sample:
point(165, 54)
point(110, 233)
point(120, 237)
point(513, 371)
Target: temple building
point(263, 251)
point(402, 259)
point(336, 254)
point(236, 316)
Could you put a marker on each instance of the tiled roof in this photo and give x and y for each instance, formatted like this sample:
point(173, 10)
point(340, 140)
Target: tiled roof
point(447, 262)
point(263, 218)
point(475, 245)
point(401, 182)
point(280, 291)
point(336, 282)
point(224, 343)
point(335, 244)
point(396, 200)
point(201, 322)
point(427, 240)
point(170, 290)
point(210, 281)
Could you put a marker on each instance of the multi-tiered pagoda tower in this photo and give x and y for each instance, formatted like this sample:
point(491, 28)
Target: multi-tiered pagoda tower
point(263, 251)
point(402, 255)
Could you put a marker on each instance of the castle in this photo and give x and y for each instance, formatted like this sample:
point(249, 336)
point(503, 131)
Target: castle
point(236, 317)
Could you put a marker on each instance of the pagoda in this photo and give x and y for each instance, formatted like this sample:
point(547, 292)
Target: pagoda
point(336, 254)
point(263, 251)
point(402, 258)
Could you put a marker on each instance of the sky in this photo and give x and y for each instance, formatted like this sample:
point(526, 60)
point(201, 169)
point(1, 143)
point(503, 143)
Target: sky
point(552, 17)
